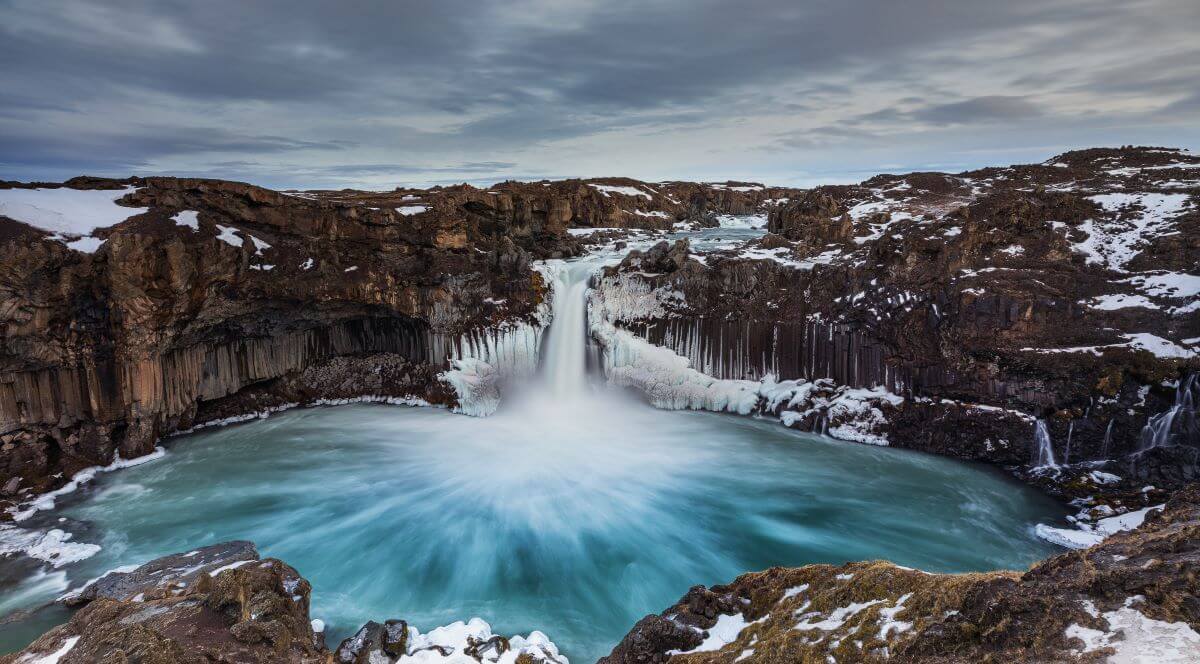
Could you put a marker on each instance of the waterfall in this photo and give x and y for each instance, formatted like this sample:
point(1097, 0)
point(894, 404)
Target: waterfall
point(1178, 424)
point(564, 353)
point(1067, 451)
point(1045, 448)
point(1107, 439)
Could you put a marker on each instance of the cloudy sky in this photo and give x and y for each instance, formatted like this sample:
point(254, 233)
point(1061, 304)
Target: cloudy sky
point(310, 93)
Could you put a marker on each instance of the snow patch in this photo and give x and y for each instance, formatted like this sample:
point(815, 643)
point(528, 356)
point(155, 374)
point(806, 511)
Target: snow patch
point(189, 218)
point(1113, 244)
point(1090, 535)
point(457, 636)
point(54, 657)
point(228, 235)
point(1118, 301)
point(611, 189)
point(1137, 639)
point(723, 633)
point(837, 617)
point(75, 212)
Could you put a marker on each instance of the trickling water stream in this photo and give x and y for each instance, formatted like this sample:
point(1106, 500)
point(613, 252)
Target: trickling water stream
point(572, 510)
point(1044, 455)
point(1180, 422)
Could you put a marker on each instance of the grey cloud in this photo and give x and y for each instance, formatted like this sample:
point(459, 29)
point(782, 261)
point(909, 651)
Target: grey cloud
point(980, 109)
point(316, 90)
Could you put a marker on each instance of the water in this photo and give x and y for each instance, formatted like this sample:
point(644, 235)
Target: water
point(1044, 457)
point(1179, 424)
point(572, 510)
point(564, 353)
point(577, 524)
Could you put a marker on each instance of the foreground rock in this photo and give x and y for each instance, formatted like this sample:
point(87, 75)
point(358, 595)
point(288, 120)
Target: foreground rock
point(217, 604)
point(221, 603)
point(1133, 596)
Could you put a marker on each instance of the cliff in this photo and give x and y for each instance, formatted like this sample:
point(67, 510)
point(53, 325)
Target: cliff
point(131, 309)
point(985, 301)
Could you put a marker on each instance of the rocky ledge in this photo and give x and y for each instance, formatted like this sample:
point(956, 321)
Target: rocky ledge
point(1131, 598)
point(222, 603)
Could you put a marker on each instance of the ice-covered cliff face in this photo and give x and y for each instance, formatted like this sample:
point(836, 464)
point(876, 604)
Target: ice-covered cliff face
point(668, 380)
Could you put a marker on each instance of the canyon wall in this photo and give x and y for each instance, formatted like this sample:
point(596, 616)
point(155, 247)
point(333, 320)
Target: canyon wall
point(134, 308)
point(1065, 291)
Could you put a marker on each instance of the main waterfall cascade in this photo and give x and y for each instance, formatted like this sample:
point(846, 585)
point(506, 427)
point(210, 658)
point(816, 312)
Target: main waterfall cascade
point(563, 360)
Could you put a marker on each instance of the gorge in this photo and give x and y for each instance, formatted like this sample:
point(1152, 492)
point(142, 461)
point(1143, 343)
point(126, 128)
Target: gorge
point(1040, 318)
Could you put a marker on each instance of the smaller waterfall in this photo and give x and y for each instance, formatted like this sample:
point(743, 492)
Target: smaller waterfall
point(1067, 451)
point(1107, 439)
point(1045, 448)
point(1178, 424)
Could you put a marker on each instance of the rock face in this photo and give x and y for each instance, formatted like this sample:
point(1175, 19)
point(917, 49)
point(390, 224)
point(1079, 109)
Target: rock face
point(131, 309)
point(221, 603)
point(1064, 291)
point(1133, 595)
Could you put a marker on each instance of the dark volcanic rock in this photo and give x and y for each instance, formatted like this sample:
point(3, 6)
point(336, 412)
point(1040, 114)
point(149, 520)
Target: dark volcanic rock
point(1135, 593)
point(262, 298)
point(163, 576)
point(256, 611)
point(1063, 291)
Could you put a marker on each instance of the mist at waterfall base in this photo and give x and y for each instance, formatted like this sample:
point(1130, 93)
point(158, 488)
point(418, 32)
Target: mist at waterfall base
point(574, 510)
